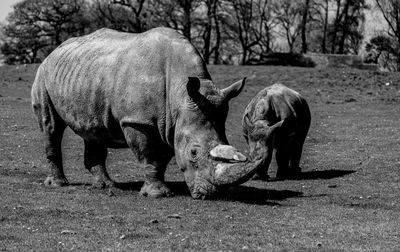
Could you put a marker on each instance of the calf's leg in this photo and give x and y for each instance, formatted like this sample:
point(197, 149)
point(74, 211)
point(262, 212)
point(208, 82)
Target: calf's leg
point(298, 142)
point(262, 171)
point(297, 150)
point(283, 153)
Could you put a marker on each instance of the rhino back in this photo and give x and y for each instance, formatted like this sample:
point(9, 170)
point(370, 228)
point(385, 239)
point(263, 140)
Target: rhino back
point(276, 103)
point(99, 80)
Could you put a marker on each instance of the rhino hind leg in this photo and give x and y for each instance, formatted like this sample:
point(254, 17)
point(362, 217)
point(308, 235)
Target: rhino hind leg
point(154, 155)
point(53, 128)
point(295, 169)
point(298, 142)
point(283, 154)
point(95, 161)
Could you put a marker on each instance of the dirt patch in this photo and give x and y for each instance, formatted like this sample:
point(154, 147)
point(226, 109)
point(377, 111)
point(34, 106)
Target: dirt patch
point(347, 198)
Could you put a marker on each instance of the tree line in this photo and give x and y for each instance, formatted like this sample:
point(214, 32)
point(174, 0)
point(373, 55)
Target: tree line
point(224, 31)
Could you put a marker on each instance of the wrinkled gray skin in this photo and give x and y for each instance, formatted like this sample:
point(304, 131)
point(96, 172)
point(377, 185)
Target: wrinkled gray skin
point(150, 92)
point(277, 118)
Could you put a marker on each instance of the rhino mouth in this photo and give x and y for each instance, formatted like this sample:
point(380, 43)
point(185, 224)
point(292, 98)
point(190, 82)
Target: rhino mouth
point(202, 188)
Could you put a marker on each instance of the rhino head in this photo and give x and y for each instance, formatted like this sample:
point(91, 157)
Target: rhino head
point(261, 134)
point(201, 147)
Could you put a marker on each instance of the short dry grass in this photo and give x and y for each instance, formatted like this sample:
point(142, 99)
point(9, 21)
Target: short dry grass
point(348, 198)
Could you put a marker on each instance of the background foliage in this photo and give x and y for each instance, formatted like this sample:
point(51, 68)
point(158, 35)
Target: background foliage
point(225, 32)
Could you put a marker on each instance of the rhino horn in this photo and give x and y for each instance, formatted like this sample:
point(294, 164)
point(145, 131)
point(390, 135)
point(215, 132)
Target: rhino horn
point(236, 167)
point(234, 173)
point(227, 153)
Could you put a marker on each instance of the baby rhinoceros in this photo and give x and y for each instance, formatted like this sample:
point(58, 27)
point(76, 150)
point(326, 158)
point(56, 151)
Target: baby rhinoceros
point(277, 118)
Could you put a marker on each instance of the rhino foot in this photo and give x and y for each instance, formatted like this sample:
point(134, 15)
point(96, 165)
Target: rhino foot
point(156, 189)
point(56, 182)
point(102, 183)
point(101, 179)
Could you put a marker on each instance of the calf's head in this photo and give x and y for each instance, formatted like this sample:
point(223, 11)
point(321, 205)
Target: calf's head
point(261, 134)
point(201, 147)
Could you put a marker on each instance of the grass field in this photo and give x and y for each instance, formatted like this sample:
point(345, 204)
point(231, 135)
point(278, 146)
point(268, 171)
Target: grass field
point(348, 198)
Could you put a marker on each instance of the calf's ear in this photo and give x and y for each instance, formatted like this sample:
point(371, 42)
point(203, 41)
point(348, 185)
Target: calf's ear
point(233, 90)
point(247, 126)
point(246, 121)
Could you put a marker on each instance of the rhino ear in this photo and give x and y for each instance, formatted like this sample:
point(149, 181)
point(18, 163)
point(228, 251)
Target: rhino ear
point(234, 89)
point(247, 127)
point(193, 86)
point(246, 120)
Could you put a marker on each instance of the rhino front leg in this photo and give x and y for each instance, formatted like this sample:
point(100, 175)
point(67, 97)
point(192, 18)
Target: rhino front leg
point(95, 161)
point(154, 184)
point(262, 171)
point(154, 155)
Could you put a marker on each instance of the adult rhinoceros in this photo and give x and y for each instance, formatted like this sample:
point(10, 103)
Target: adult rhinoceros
point(150, 92)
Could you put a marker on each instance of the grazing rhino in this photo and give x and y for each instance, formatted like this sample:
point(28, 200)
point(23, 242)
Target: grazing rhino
point(277, 118)
point(150, 92)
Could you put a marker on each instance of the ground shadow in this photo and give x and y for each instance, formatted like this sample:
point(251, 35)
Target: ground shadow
point(326, 174)
point(257, 196)
point(244, 194)
point(177, 187)
point(129, 186)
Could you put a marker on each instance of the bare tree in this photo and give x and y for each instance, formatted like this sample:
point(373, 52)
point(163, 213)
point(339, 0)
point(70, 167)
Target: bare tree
point(266, 26)
point(55, 18)
point(136, 8)
point(210, 21)
point(186, 6)
point(391, 13)
point(34, 25)
point(335, 29)
point(304, 21)
point(243, 11)
point(249, 27)
point(348, 25)
point(218, 37)
point(177, 14)
point(287, 13)
point(353, 20)
point(106, 14)
point(321, 8)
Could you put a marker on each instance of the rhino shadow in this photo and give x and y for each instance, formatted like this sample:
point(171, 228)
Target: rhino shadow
point(178, 187)
point(129, 186)
point(326, 174)
point(243, 194)
point(257, 196)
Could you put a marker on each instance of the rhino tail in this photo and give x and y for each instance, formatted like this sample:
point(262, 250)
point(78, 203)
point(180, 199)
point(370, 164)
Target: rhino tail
point(42, 105)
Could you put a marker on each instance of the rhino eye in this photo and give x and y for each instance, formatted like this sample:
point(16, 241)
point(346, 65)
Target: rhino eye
point(193, 153)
